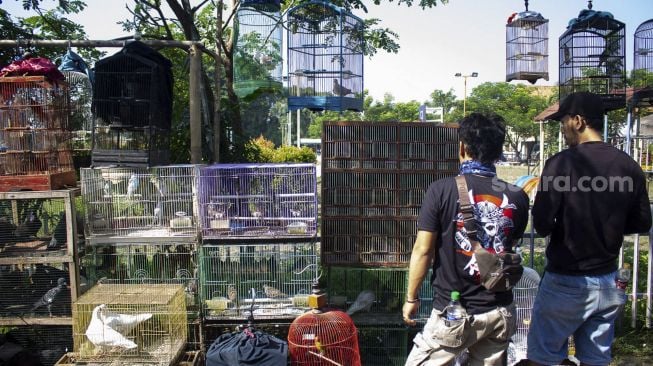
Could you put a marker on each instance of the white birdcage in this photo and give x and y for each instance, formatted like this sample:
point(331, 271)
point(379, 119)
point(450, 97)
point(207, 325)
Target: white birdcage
point(524, 296)
point(130, 324)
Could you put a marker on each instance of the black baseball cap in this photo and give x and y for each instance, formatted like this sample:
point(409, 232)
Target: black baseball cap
point(588, 105)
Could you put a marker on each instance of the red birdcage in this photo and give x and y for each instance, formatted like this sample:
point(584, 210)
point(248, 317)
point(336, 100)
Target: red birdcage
point(326, 338)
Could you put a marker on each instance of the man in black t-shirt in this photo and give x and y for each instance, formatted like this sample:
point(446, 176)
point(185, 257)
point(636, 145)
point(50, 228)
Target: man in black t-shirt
point(590, 195)
point(501, 212)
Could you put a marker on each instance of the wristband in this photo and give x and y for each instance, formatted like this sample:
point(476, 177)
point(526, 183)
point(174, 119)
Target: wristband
point(412, 301)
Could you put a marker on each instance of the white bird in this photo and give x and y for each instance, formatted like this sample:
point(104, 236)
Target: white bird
point(132, 186)
point(364, 301)
point(160, 186)
point(108, 329)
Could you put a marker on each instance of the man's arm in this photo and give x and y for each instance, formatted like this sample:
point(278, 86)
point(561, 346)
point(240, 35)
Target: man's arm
point(547, 202)
point(420, 261)
point(639, 217)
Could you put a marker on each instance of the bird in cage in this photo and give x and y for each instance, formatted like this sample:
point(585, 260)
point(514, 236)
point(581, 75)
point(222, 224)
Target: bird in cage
point(340, 90)
point(28, 228)
point(232, 293)
point(59, 233)
point(109, 329)
point(364, 301)
point(566, 52)
point(107, 188)
point(160, 185)
point(158, 214)
point(48, 298)
point(132, 186)
point(273, 293)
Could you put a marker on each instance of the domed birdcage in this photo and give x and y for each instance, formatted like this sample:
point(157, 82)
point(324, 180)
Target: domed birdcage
point(524, 296)
point(527, 46)
point(592, 57)
point(642, 76)
point(257, 51)
point(325, 58)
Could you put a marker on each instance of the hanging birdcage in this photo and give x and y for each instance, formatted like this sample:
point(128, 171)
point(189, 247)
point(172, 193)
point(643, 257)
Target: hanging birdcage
point(325, 58)
point(642, 75)
point(527, 46)
point(78, 76)
point(257, 51)
point(319, 338)
point(592, 57)
point(132, 107)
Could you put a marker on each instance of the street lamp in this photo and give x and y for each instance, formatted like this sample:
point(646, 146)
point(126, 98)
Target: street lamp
point(459, 75)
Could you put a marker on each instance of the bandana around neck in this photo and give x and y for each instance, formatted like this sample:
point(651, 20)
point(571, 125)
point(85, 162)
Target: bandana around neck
point(478, 168)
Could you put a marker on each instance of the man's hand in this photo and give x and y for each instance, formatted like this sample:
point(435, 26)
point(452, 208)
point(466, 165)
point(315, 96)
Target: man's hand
point(409, 310)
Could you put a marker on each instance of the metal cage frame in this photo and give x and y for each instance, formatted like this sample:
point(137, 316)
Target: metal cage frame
point(527, 47)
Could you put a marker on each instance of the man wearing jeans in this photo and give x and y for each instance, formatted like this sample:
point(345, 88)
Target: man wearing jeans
point(501, 212)
point(590, 195)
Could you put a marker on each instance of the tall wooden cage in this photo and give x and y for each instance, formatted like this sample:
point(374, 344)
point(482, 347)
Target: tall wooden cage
point(527, 47)
point(130, 324)
point(592, 57)
point(257, 51)
point(325, 58)
point(35, 151)
point(132, 107)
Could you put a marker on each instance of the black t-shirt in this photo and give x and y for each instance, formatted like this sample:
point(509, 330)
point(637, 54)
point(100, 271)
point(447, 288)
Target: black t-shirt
point(501, 213)
point(589, 197)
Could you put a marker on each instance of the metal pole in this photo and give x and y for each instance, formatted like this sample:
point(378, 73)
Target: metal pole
point(289, 129)
point(9, 43)
point(541, 147)
point(635, 280)
point(298, 126)
point(628, 127)
point(195, 106)
point(649, 278)
point(605, 127)
point(465, 96)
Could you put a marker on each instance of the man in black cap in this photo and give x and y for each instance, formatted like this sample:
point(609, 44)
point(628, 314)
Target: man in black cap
point(589, 197)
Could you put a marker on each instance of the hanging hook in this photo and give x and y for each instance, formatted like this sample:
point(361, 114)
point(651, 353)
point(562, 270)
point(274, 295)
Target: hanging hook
point(589, 4)
point(526, 4)
point(69, 45)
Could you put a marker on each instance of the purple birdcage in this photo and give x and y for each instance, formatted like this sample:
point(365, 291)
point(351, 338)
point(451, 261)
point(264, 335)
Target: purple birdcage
point(258, 200)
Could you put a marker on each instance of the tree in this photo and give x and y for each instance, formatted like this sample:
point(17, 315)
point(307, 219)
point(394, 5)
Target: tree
point(445, 100)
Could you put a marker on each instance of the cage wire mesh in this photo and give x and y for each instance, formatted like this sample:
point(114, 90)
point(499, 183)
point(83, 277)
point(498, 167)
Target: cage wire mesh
point(258, 200)
point(257, 50)
point(36, 224)
point(126, 324)
point(280, 274)
point(35, 150)
point(81, 116)
point(132, 107)
point(374, 178)
point(325, 58)
point(369, 295)
point(524, 296)
point(592, 58)
point(156, 202)
point(36, 291)
point(385, 345)
point(323, 338)
point(643, 55)
point(46, 342)
point(527, 47)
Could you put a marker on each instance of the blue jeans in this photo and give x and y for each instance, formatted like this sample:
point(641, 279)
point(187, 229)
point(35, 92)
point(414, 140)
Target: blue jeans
point(585, 306)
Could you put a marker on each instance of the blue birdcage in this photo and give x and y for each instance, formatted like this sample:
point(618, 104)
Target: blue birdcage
point(257, 51)
point(325, 58)
point(592, 57)
point(527, 46)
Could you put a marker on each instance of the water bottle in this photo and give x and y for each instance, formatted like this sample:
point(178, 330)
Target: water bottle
point(623, 277)
point(455, 313)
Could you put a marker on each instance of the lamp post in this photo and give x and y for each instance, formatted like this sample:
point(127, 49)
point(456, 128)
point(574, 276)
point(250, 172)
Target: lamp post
point(459, 75)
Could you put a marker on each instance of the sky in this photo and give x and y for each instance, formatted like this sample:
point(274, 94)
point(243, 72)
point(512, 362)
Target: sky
point(463, 36)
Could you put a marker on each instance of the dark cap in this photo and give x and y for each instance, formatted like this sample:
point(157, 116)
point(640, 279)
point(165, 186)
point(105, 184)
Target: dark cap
point(588, 105)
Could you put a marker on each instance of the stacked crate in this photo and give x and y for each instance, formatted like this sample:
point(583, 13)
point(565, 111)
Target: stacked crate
point(259, 255)
point(35, 150)
point(374, 177)
point(38, 252)
point(142, 229)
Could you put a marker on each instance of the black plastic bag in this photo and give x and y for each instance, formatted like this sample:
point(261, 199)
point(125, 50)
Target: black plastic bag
point(247, 348)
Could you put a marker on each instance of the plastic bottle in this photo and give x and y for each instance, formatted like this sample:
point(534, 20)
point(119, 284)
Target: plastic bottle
point(455, 312)
point(623, 277)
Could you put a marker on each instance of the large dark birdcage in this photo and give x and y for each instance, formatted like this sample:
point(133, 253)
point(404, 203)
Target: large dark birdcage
point(527, 47)
point(642, 76)
point(257, 52)
point(132, 105)
point(592, 57)
point(325, 58)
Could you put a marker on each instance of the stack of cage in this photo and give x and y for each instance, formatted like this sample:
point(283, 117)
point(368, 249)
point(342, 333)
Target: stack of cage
point(38, 252)
point(374, 177)
point(125, 324)
point(132, 108)
point(35, 150)
point(142, 204)
point(258, 201)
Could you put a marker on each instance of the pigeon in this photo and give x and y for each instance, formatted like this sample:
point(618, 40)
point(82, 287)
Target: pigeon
point(272, 292)
point(364, 301)
point(101, 330)
point(340, 90)
point(132, 185)
point(59, 233)
point(48, 298)
point(29, 227)
point(232, 293)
